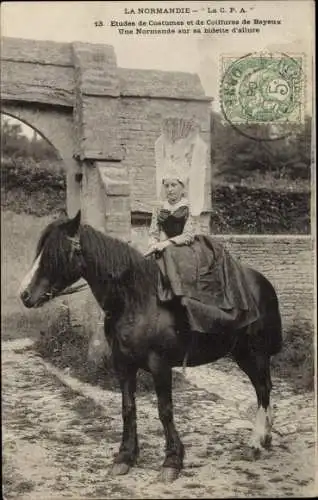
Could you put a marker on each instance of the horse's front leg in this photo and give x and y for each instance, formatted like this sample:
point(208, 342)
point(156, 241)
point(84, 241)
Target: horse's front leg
point(162, 375)
point(129, 450)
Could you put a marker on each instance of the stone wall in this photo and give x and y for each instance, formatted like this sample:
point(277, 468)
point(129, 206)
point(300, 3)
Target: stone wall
point(140, 122)
point(288, 263)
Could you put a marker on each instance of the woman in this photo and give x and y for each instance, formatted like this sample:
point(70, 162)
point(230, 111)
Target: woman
point(199, 273)
point(172, 222)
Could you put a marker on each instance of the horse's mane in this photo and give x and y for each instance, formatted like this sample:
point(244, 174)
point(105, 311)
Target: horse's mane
point(46, 233)
point(112, 260)
point(52, 245)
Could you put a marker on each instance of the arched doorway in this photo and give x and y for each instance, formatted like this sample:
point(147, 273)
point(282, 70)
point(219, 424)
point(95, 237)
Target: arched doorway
point(33, 173)
point(56, 129)
point(33, 193)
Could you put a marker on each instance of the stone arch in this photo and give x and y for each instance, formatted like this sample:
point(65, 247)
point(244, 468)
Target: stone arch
point(32, 126)
point(57, 129)
point(104, 121)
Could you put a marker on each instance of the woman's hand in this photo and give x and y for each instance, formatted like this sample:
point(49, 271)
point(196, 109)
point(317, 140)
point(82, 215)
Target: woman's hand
point(162, 245)
point(157, 247)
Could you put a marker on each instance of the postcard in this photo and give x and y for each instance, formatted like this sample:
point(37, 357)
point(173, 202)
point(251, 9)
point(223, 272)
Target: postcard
point(158, 249)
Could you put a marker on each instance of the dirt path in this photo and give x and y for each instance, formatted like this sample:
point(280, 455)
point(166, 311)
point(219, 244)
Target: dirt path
point(59, 436)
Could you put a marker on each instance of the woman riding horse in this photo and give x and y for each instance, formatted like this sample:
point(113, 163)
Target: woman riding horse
point(230, 308)
point(193, 268)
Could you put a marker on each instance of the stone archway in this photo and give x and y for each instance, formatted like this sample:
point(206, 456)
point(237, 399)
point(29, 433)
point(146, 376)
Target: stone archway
point(104, 121)
point(57, 130)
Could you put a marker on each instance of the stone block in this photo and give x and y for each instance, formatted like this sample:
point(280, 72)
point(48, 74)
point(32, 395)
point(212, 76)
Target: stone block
point(115, 188)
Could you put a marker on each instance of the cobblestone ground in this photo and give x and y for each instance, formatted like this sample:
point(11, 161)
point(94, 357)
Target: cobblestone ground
point(59, 436)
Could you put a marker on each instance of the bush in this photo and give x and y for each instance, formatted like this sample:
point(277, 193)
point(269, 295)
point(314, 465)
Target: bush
point(33, 188)
point(243, 210)
point(295, 362)
point(31, 175)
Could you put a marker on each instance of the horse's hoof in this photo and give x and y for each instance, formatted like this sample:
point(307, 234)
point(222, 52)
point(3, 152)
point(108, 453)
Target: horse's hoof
point(266, 442)
point(120, 469)
point(168, 474)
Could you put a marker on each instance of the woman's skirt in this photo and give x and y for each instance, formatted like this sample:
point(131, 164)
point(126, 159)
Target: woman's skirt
point(211, 285)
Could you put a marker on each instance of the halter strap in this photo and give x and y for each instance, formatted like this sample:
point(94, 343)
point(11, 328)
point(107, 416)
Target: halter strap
point(76, 245)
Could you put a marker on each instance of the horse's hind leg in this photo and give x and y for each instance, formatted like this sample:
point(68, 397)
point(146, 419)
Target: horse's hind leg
point(129, 450)
point(162, 375)
point(256, 364)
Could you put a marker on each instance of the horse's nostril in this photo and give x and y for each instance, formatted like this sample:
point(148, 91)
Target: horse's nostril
point(25, 296)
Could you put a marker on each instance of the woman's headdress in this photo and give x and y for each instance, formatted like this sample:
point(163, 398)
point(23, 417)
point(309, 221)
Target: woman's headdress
point(182, 154)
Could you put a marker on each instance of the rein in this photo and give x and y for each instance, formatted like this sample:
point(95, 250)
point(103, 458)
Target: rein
point(68, 290)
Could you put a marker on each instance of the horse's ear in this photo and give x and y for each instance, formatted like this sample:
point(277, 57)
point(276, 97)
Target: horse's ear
point(72, 226)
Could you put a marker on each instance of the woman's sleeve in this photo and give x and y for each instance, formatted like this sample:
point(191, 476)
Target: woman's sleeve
point(154, 230)
point(188, 233)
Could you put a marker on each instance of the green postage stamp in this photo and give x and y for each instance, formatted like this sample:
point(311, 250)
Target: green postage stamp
point(262, 88)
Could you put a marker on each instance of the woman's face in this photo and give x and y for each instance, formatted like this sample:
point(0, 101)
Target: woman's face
point(173, 190)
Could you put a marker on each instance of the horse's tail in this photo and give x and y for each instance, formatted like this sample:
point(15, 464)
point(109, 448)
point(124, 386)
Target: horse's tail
point(274, 321)
point(269, 309)
point(275, 335)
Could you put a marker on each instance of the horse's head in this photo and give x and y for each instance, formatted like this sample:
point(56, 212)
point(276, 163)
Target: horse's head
point(57, 264)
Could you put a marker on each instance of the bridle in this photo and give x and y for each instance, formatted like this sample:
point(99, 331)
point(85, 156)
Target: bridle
point(75, 250)
point(75, 245)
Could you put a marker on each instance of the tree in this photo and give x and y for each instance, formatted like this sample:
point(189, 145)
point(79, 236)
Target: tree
point(15, 144)
point(235, 155)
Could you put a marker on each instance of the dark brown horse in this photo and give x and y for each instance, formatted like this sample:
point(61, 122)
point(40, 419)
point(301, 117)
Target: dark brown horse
point(144, 333)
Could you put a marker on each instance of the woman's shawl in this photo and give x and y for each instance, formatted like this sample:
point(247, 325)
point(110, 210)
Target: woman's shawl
point(212, 284)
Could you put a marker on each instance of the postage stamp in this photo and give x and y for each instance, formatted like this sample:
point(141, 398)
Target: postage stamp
point(262, 88)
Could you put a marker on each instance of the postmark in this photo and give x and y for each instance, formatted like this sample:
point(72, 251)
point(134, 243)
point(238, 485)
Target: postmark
point(263, 89)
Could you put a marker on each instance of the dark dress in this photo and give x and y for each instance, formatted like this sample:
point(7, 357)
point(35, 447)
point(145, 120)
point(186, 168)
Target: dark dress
point(172, 223)
point(204, 277)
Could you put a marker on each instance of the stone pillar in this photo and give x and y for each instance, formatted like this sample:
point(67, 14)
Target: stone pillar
point(114, 179)
point(96, 103)
point(92, 197)
point(105, 201)
point(73, 186)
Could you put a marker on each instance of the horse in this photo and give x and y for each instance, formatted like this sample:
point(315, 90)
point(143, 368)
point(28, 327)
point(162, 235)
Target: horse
point(146, 334)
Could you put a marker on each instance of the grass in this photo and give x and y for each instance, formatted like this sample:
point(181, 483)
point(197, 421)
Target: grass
point(296, 362)
point(20, 234)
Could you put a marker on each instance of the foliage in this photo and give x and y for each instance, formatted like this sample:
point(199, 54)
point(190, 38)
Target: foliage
point(31, 187)
point(32, 175)
point(246, 210)
point(15, 144)
point(235, 156)
point(295, 362)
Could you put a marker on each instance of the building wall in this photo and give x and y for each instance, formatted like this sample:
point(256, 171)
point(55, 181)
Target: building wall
point(140, 122)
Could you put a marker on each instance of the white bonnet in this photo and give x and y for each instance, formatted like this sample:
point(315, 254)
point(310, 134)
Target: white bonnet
point(183, 158)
